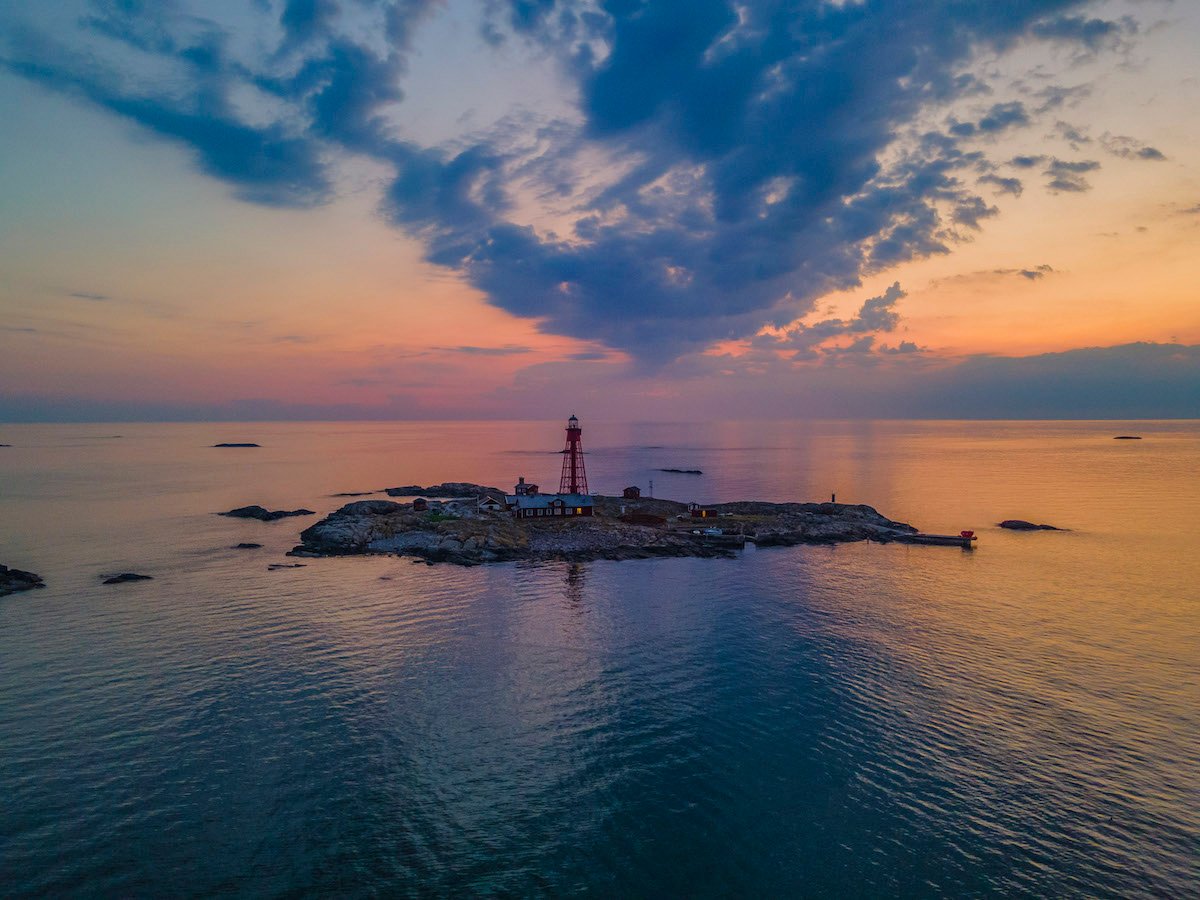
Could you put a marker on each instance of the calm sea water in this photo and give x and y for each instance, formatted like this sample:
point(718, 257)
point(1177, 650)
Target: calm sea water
point(861, 720)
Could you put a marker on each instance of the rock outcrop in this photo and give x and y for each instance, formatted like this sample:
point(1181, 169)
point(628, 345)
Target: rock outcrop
point(265, 515)
point(1022, 525)
point(15, 580)
point(127, 576)
point(461, 534)
point(452, 489)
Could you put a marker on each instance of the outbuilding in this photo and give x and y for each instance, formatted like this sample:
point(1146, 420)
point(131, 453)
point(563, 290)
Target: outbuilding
point(632, 493)
point(491, 503)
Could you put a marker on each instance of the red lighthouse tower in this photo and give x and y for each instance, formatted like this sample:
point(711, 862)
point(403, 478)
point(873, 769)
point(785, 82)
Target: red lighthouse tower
point(574, 478)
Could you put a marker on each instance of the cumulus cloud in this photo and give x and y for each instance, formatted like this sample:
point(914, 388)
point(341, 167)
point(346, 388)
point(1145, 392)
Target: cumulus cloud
point(1130, 148)
point(1067, 176)
point(1090, 34)
point(1003, 185)
point(753, 156)
point(877, 315)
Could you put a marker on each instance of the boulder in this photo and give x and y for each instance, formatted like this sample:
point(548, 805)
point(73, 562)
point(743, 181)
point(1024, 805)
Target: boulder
point(1022, 525)
point(127, 576)
point(265, 515)
point(14, 580)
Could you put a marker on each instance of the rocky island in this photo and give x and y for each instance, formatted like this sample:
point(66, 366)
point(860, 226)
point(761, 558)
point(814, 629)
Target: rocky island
point(14, 580)
point(462, 532)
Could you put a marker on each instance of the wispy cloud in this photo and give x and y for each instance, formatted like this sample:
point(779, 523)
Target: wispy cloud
point(506, 350)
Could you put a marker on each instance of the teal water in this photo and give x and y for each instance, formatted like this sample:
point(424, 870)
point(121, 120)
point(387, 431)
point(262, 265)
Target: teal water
point(861, 720)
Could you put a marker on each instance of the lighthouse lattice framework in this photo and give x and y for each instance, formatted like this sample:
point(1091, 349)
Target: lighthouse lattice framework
point(574, 478)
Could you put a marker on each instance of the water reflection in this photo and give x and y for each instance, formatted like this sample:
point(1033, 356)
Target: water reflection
point(574, 582)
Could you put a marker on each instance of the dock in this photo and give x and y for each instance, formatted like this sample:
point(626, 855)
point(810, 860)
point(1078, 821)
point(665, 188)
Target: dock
point(964, 539)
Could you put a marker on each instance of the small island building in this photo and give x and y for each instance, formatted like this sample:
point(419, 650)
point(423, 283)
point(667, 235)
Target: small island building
point(632, 493)
point(492, 502)
point(543, 505)
point(700, 512)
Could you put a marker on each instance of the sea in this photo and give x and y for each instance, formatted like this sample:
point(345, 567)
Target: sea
point(859, 720)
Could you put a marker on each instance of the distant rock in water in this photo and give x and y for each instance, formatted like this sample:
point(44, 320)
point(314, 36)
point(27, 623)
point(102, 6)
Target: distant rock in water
point(1022, 525)
point(5, 445)
point(683, 471)
point(246, 545)
point(237, 445)
point(273, 566)
point(355, 494)
point(14, 580)
point(265, 515)
point(1128, 437)
point(127, 576)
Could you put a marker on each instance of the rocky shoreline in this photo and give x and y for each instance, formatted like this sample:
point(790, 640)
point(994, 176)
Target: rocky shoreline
point(620, 529)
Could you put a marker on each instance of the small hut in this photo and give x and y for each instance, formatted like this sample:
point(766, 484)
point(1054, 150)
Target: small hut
point(632, 493)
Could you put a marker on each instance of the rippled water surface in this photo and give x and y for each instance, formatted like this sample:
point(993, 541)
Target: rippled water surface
point(859, 720)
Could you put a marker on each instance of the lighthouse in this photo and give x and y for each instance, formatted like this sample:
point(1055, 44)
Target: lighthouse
point(574, 478)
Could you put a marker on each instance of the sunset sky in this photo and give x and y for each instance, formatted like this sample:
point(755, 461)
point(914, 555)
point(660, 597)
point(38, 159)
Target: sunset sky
point(242, 209)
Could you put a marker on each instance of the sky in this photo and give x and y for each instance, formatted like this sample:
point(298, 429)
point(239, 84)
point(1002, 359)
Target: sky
point(628, 209)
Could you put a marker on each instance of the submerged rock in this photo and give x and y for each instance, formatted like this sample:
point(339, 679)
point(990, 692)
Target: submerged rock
point(15, 580)
point(1128, 437)
point(273, 566)
point(265, 515)
point(1022, 525)
point(236, 445)
point(683, 471)
point(127, 576)
point(246, 545)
